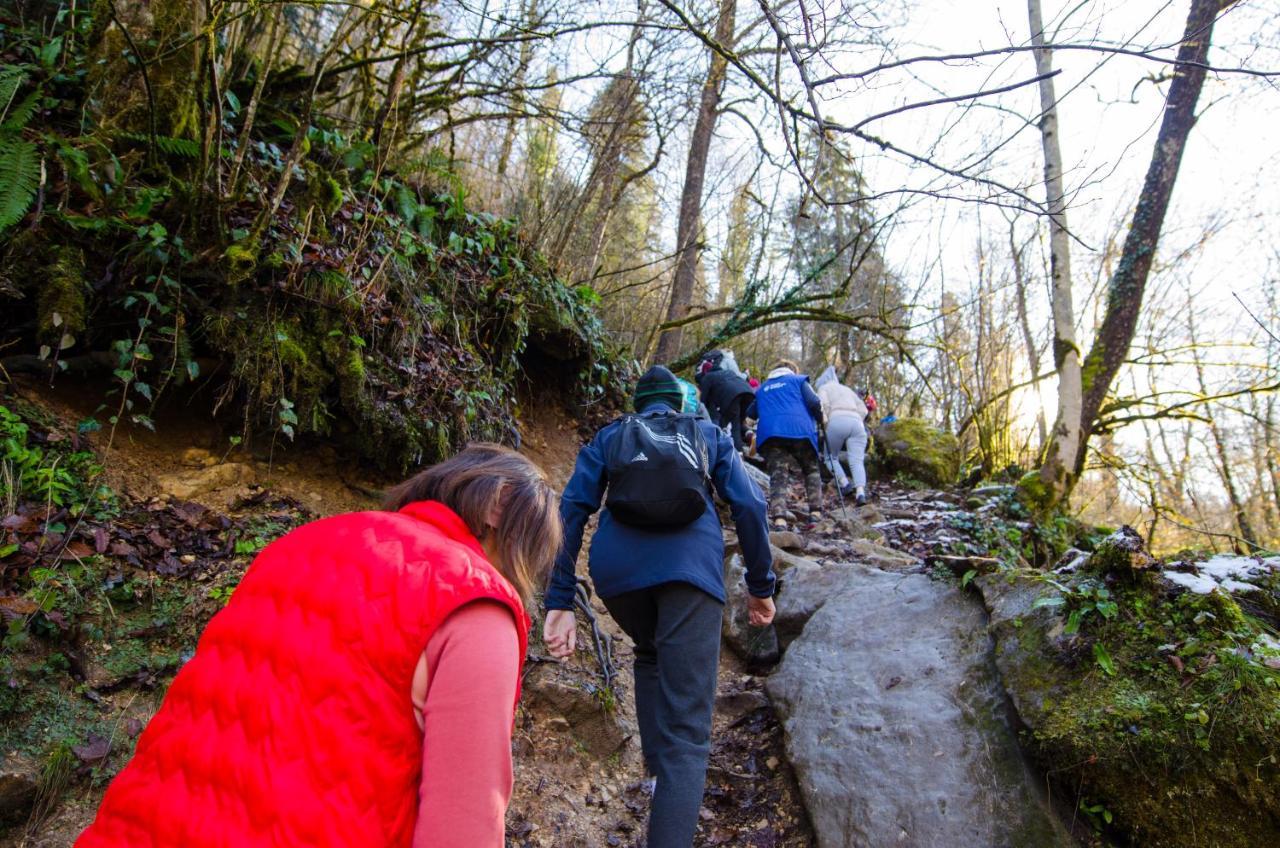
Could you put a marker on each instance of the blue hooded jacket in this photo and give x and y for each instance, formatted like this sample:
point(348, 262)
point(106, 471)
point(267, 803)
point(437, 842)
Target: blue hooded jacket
point(625, 558)
point(787, 408)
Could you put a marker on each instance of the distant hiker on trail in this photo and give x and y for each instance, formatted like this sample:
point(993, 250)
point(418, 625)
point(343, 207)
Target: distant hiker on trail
point(727, 395)
point(789, 414)
point(846, 415)
point(657, 562)
point(359, 687)
point(691, 403)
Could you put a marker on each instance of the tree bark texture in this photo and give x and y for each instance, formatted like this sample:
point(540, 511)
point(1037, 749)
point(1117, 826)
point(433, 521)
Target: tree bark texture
point(1128, 281)
point(1067, 439)
point(690, 217)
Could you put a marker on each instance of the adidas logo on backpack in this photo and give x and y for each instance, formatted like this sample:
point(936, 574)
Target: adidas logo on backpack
point(665, 481)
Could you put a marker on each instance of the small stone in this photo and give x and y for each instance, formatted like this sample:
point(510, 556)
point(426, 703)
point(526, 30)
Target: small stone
point(197, 458)
point(193, 484)
point(705, 814)
point(772, 763)
point(787, 540)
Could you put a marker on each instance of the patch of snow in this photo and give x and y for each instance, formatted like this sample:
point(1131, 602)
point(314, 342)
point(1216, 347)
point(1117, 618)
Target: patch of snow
point(1224, 571)
point(1224, 566)
point(1197, 583)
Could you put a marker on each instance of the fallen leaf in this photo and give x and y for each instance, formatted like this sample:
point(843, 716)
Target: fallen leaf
point(15, 606)
point(133, 726)
point(80, 550)
point(101, 539)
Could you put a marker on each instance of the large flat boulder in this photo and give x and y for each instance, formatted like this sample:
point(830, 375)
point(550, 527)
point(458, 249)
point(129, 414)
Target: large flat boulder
point(897, 726)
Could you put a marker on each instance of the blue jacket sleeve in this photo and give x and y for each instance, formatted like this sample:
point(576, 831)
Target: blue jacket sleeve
point(811, 401)
point(581, 499)
point(747, 505)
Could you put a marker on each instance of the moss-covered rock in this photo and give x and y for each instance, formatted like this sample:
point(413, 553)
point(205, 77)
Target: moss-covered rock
point(916, 449)
point(61, 305)
point(1164, 711)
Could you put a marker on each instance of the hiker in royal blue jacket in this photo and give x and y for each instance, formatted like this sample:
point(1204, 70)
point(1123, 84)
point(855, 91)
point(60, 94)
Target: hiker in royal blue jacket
point(788, 413)
point(664, 585)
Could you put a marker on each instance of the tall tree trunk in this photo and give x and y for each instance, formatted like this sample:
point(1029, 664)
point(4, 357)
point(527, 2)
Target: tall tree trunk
point(687, 226)
point(1068, 440)
point(1066, 453)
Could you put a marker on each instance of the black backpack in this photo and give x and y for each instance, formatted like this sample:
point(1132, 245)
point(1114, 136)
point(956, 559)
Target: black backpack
point(658, 470)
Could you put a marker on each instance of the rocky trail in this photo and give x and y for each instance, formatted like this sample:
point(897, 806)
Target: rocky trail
point(916, 680)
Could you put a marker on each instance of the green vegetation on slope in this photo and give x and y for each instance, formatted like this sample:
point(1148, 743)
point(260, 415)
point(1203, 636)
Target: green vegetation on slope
point(290, 265)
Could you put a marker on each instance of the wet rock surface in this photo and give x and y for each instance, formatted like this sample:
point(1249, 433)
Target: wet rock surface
point(896, 722)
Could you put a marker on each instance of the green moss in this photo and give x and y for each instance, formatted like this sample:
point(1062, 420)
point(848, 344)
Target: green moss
point(241, 259)
point(323, 192)
point(1180, 743)
point(61, 306)
point(913, 448)
point(1034, 493)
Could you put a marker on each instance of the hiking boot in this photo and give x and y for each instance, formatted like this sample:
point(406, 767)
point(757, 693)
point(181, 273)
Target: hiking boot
point(813, 519)
point(778, 521)
point(861, 500)
point(847, 490)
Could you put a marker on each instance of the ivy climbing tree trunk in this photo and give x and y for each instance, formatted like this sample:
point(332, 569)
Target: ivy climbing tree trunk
point(1067, 449)
point(688, 223)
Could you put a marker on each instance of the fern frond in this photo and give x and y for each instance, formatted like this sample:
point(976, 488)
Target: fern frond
point(11, 79)
point(19, 179)
point(183, 148)
point(19, 115)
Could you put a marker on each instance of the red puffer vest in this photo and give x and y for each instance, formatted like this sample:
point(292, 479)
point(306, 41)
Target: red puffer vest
point(293, 725)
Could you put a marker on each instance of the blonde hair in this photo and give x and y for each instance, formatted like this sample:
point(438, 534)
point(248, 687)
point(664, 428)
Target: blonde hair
point(486, 479)
point(785, 363)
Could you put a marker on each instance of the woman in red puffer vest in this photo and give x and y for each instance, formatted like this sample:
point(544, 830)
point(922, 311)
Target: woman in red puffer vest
point(359, 687)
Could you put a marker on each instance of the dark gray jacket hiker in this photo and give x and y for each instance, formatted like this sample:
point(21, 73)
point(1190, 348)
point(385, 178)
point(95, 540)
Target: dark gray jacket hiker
point(664, 586)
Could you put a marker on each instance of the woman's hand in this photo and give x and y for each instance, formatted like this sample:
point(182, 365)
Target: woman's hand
point(560, 632)
point(760, 611)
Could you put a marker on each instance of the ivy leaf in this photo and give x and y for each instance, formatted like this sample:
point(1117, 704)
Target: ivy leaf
point(1073, 623)
point(1104, 658)
point(1054, 601)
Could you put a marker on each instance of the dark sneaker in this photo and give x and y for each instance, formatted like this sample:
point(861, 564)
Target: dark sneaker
point(847, 490)
point(861, 500)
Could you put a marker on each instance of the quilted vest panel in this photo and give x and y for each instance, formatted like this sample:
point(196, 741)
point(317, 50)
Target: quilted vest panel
point(782, 413)
point(292, 725)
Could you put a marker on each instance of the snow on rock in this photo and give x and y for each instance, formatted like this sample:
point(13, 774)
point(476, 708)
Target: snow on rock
point(1224, 571)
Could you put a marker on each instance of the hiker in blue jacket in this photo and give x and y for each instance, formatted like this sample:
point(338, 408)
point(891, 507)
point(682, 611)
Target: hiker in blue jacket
point(664, 585)
point(789, 414)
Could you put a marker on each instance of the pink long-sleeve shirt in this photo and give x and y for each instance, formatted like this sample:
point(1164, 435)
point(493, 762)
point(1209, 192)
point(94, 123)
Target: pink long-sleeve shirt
point(462, 693)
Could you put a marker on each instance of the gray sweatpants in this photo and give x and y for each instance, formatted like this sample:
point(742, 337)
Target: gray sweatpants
point(676, 631)
point(847, 432)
